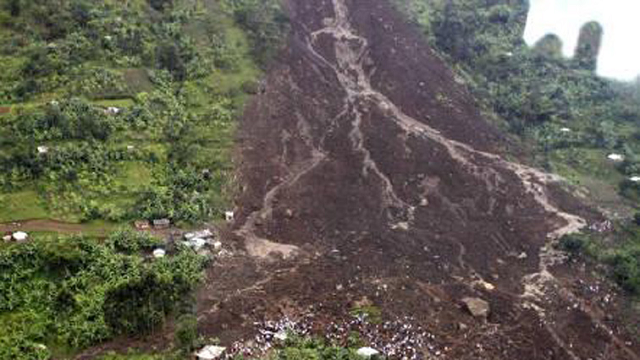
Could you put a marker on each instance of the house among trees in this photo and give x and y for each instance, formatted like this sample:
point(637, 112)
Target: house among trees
point(161, 223)
point(42, 150)
point(111, 110)
point(142, 225)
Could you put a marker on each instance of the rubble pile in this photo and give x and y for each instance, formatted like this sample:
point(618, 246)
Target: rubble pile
point(399, 339)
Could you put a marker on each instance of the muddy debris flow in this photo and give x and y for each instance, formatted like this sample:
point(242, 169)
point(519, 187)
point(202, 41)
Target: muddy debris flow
point(369, 176)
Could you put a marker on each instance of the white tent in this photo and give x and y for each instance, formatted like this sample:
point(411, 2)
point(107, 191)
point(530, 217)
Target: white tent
point(159, 253)
point(20, 236)
point(615, 157)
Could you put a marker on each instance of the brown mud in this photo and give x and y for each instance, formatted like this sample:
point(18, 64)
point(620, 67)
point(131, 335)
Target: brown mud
point(369, 176)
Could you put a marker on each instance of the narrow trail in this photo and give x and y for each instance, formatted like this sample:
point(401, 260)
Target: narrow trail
point(49, 225)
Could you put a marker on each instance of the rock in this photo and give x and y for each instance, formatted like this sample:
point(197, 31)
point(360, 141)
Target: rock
point(217, 246)
point(404, 226)
point(477, 307)
point(367, 352)
point(289, 213)
point(210, 352)
point(523, 256)
point(484, 285)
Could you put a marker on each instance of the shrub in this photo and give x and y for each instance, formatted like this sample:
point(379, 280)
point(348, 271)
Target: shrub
point(129, 241)
point(626, 269)
point(186, 334)
point(574, 244)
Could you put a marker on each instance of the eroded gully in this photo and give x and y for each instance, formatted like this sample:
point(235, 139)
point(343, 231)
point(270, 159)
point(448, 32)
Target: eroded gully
point(351, 52)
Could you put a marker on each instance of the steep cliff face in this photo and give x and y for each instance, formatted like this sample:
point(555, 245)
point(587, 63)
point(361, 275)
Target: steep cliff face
point(370, 173)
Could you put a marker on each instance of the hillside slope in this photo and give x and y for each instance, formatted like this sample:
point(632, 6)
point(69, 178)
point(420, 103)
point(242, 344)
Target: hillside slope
point(371, 179)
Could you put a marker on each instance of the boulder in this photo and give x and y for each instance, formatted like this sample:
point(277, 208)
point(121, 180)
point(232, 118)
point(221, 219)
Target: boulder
point(477, 307)
point(210, 352)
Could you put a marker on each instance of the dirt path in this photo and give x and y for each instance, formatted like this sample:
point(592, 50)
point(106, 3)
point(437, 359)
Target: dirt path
point(48, 225)
point(372, 174)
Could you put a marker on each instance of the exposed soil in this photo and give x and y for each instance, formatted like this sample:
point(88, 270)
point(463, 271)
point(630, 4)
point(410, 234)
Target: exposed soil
point(369, 175)
point(44, 225)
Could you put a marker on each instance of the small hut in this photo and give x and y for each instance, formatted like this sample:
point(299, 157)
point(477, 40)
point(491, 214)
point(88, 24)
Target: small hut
point(160, 224)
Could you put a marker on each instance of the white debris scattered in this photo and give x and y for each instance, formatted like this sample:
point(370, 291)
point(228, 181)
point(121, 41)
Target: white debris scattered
point(601, 227)
point(367, 352)
point(195, 243)
point(400, 339)
point(509, 54)
point(43, 149)
point(634, 179)
point(210, 352)
point(159, 253)
point(229, 216)
point(615, 157)
point(281, 335)
point(204, 234)
point(54, 103)
point(108, 37)
point(20, 236)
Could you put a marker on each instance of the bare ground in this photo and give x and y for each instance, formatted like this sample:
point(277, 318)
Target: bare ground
point(369, 175)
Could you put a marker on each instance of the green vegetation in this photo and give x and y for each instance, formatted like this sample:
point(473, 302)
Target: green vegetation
point(134, 104)
point(112, 111)
point(559, 105)
point(621, 252)
point(296, 348)
point(63, 293)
